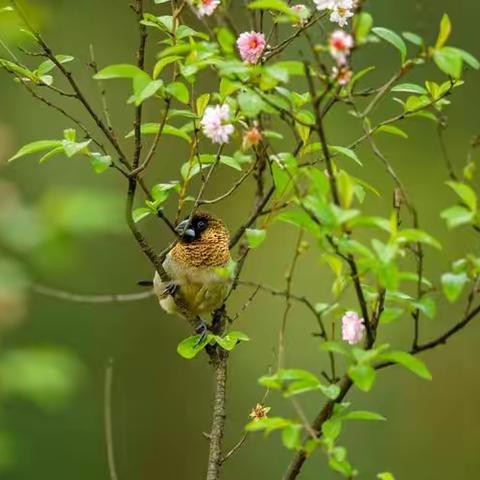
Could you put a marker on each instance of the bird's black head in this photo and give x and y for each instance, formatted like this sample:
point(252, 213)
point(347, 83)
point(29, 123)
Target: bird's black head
point(192, 229)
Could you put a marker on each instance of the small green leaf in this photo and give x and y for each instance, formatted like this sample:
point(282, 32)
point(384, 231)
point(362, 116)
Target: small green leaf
point(179, 91)
point(363, 415)
point(363, 376)
point(162, 63)
point(449, 60)
point(100, 162)
point(291, 436)
point(347, 152)
point(140, 213)
point(445, 31)
point(408, 361)
point(457, 215)
point(255, 237)
point(192, 346)
point(466, 193)
point(250, 103)
point(453, 285)
point(392, 38)
point(278, 5)
point(120, 71)
point(202, 103)
point(409, 88)
point(230, 340)
point(385, 476)
point(413, 38)
point(35, 147)
point(73, 148)
point(392, 130)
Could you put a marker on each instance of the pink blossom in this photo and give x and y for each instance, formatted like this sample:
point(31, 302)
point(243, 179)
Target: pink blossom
point(340, 44)
point(342, 74)
point(206, 7)
point(216, 123)
point(252, 138)
point(353, 328)
point(324, 4)
point(251, 46)
point(303, 13)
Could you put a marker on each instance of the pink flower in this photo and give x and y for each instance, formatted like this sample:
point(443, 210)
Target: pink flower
point(353, 328)
point(216, 123)
point(252, 138)
point(303, 13)
point(340, 44)
point(342, 10)
point(251, 46)
point(324, 4)
point(206, 7)
point(342, 74)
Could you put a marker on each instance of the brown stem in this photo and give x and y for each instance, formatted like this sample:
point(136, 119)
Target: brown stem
point(219, 414)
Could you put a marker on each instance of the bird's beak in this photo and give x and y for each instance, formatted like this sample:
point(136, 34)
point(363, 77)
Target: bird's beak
point(185, 232)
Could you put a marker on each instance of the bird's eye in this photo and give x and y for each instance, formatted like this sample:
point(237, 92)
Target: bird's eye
point(202, 225)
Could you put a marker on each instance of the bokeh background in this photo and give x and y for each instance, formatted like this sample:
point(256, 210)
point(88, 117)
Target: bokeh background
point(63, 225)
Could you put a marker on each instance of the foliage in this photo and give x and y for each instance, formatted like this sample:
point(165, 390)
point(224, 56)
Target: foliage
point(265, 117)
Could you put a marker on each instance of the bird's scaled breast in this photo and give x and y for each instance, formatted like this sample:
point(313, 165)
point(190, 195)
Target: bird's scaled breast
point(202, 289)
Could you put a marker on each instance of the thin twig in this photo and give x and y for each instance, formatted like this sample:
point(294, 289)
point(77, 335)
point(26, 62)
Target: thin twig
point(108, 420)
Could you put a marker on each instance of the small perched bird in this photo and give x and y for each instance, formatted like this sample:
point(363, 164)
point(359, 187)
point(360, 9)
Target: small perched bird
point(198, 285)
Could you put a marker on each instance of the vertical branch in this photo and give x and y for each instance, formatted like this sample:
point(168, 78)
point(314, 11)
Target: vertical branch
point(219, 361)
point(141, 65)
point(288, 300)
point(108, 420)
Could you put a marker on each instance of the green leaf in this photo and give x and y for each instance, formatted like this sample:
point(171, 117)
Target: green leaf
point(179, 91)
point(453, 285)
point(153, 128)
point(192, 346)
point(392, 130)
point(363, 376)
point(73, 148)
point(120, 71)
point(291, 436)
point(140, 213)
point(385, 476)
point(162, 63)
point(362, 25)
point(230, 340)
point(250, 103)
point(449, 61)
point(392, 38)
point(408, 361)
point(35, 147)
point(413, 38)
point(267, 425)
point(347, 152)
point(456, 216)
point(445, 31)
point(466, 193)
point(100, 163)
point(202, 103)
point(332, 428)
point(409, 88)
point(255, 237)
point(414, 235)
point(363, 415)
point(277, 5)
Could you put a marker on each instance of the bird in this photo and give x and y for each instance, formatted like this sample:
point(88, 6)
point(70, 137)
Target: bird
point(197, 267)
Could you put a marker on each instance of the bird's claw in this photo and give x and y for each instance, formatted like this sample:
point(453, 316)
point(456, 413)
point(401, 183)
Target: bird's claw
point(171, 288)
point(202, 331)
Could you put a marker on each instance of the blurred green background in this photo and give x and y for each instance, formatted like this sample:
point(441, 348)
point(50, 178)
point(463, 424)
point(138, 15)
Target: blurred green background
point(68, 223)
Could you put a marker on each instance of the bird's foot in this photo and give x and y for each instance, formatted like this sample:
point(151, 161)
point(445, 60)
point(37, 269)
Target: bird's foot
point(171, 288)
point(202, 330)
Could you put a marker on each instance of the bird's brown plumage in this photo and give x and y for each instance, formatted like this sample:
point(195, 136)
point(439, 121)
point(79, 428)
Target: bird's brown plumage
point(193, 266)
